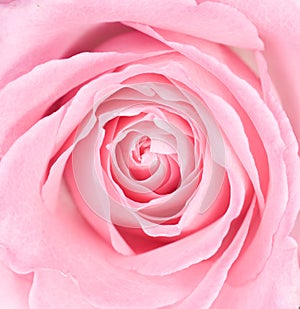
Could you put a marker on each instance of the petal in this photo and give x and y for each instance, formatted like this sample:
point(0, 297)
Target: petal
point(278, 24)
point(54, 21)
point(54, 289)
point(196, 247)
point(209, 287)
point(14, 289)
point(49, 82)
point(291, 159)
point(276, 286)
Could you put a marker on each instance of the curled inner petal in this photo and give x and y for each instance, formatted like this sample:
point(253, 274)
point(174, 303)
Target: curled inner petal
point(150, 143)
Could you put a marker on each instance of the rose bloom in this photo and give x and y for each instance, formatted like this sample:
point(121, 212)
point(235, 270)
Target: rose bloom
point(149, 154)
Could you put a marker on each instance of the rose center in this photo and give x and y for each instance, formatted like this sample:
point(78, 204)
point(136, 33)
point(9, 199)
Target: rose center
point(143, 157)
point(143, 161)
point(141, 154)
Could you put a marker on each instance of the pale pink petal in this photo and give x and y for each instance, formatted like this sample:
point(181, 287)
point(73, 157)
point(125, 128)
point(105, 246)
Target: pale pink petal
point(223, 53)
point(292, 147)
point(49, 82)
point(278, 25)
point(55, 289)
point(289, 179)
point(58, 20)
point(208, 289)
point(233, 128)
point(14, 289)
point(276, 286)
point(290, 220)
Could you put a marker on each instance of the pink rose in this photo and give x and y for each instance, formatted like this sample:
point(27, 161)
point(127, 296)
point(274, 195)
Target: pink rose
point(149, 154)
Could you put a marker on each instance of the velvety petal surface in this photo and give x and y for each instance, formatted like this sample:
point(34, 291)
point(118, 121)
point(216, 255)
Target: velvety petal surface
point(57, 20)
point(277, 286)
point(65, 293)
point(14, 289)
point(278, 25)
point(73, 87)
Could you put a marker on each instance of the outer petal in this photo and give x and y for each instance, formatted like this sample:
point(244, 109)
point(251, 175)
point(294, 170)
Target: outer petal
point(292, 147)
point(51, 22)
point(278, 24)
point(49, 82)
point(208, 289)
point(277, 286)
point(14, 289)
point(56, 290)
